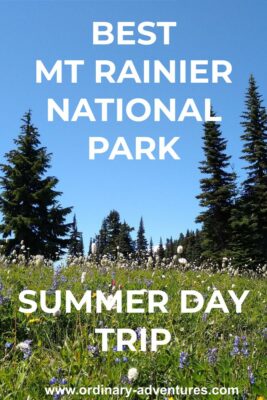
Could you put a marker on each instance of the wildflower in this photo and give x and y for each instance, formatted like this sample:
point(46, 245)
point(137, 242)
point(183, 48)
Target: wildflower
point(182, 261)
point(56, 313)
point(39, 260)
point(124, 347)
point(132, 374)
point(204, 317)
point(125, 359)
point(93, 248)
point(124, 379)
point(83, 277)
point(93, 349)
point(212, 355)
point(53, 381)
point(245, 350)
point(251, 376)
point(63, 279)
point(34, 321)
point(25, 347)
point(138, 333)
point(235, 350)
point(183, 361)
point(117, 360)
point(150, 260)
point(63, 381)
point(8, 345)
point(180, 249)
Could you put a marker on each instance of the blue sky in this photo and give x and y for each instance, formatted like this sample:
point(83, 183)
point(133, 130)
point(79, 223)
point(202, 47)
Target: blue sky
point(163, 192)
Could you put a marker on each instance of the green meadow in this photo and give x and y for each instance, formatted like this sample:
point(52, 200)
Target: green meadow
point(41, 350)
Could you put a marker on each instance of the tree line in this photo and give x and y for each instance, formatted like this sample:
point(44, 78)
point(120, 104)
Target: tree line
point(233, 217)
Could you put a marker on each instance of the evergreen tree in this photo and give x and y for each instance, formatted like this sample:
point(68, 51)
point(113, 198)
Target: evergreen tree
point(113, 225)
point(170, 251)
point(90, 247)
point(114, 234)
point(161, 251)
point(141, 242)
point(76, 240)
point(125, 242)
point(29, 202)
point(102, 239)
point(151, 252)
point(250, 218)
point(218, 189)
point(191, 243)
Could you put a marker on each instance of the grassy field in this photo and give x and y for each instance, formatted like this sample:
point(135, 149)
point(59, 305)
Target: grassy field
point(215, 350)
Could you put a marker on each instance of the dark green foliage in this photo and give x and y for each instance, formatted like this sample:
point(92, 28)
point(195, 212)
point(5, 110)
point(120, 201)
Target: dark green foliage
point(141, 242)
point(161, 251)
point(114, 236)
point(102, 238)
point(125, 242)
point(170, 248)
point(75, 247)
point(250, 215)
point(29, 202)
point(191, 243)
point(151, 252)
point(90, 247)
point(217, 194)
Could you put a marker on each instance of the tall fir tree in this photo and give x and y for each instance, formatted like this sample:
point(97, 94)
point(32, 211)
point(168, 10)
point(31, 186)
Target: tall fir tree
point(102, 238)
point(29, 201)
point(113, 235)
point(141, 241)
point(170, 249)
point(151, 248)
point(161, 251)
point(217, 193)
point(250, 218)
point(75, 247)
point(90, 247)
point(125, 242)
point(113, 225)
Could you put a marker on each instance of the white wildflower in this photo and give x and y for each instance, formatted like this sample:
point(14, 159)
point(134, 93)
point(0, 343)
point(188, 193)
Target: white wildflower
point(83, 277)
point(39, 260)
point(132, 374)
point(56, 313)
point(93, 248)
point(24, 346)
point(180, 249)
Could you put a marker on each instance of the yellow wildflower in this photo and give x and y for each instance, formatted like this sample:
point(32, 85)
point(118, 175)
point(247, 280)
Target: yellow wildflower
point(34, 320)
